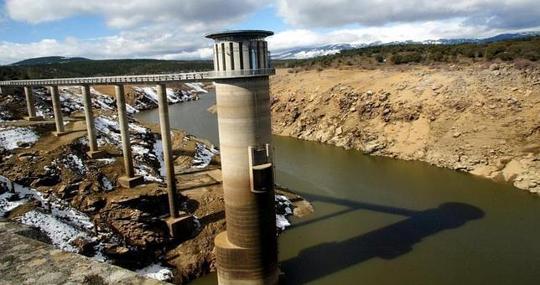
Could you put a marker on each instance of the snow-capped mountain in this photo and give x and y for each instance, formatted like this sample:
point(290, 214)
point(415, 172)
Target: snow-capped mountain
point(309, 52)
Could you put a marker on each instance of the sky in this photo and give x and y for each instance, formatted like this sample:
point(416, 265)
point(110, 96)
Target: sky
point(174, 29)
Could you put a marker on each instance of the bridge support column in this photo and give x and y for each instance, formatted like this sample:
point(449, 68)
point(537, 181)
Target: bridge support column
point(57, 111)
point(30, 105)
point(246, 253)
point(129, 180)
point(90, 126)
point(175, 222)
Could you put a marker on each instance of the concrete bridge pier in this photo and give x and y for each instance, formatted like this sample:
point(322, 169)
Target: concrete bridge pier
point(57, 111)
point(247, 251)
point(129, 180)
point(90, 125)
point(176, 223)
point(30, 105)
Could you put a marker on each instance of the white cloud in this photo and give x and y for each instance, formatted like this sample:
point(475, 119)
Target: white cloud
point(169, 29)
point(124, 45)
point(332, 13)
point(132, 13)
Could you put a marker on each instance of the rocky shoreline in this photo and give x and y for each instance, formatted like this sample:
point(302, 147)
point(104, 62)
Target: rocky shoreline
point(480, 119)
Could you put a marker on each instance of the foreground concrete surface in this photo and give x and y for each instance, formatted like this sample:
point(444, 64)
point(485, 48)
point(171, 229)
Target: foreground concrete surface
point(28, 261)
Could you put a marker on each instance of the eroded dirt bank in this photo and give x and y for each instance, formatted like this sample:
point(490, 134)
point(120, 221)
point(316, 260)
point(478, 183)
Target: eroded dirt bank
point(481, 119)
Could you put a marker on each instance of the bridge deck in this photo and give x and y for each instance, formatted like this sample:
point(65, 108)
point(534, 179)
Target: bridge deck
point(144, 79)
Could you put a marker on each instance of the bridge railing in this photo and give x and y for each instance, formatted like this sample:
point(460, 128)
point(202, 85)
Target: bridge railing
point(151, 78)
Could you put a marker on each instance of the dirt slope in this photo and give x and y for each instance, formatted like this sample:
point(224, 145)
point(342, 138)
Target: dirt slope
point(480, 119)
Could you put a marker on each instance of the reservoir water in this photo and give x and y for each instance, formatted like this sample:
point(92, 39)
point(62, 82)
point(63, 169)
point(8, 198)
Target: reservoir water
point(384, 221)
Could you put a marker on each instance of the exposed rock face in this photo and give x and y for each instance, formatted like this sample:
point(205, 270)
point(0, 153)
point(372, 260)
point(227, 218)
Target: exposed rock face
point(478, 119)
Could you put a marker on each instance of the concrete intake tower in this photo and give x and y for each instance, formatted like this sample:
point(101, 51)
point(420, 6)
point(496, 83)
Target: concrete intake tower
point(247, 250)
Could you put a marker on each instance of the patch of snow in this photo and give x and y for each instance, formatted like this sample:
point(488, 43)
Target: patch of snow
point(100, 100)
point(197, 87)
point(61, 223)
point(158, 150)
point(60, 233)
point(150, 93)
point(148, 99)
point(203, 155)
point(106, 160)
point(130, 109)
point(58, 208)
point(282, 223)
point(146, 161)
point(10, 137)
point(8, 202)
point(156, 271)
point(106, 183)
point(172, 97)
point(5, 115)
point(145, 170)
point(137, 128)
point(139, 150)
point(62, 210)
point(74, 163)
point(284, 208)
point(71, 99)
point(108, 129)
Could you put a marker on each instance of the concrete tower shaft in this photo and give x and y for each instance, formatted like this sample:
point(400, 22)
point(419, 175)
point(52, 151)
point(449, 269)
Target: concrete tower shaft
point(247, 250)
point(244, 127)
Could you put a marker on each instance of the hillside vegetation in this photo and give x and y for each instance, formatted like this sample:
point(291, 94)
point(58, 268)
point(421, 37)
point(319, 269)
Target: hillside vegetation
point(49, 60)
point(85, 68)
point(524, 51)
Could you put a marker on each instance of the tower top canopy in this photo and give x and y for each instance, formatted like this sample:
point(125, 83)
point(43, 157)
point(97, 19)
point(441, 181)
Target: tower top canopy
point(239, 35)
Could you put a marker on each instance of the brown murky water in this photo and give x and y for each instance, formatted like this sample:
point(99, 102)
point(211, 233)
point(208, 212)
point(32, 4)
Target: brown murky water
point(384, 221)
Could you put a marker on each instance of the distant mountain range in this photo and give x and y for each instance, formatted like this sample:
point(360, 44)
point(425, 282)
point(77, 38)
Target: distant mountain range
point(309, 52)
point(48, 60)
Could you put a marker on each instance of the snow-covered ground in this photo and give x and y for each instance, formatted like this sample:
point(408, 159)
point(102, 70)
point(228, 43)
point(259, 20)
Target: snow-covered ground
point(75, 163)
point(196, 87)
point(5, 115)
point(54, 217)
point(203, 155)
point(147, 153)
point(12, 137)
point(284, 209)
point(156, 271)
point(59, 232)
point(148, 99)
point(8, 202)
point(71, 100)
point(158, 150)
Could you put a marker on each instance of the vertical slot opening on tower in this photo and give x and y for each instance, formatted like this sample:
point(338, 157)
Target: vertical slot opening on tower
point(261, 172)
